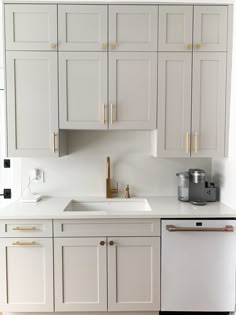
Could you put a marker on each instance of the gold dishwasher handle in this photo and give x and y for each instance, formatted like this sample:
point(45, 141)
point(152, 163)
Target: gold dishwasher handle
point(174, 228)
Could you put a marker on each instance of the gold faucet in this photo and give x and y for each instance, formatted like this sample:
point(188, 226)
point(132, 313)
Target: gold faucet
point(109, 190)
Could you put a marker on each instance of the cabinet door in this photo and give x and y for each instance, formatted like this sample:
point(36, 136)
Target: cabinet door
point(132, 90)
point(174, 104)
point(80, 274)
point(210, 28)
point(32, 103)
point(26, 275)
point(134, 274)
point(83, 90)
point(31, 27)
point(82, 27)
point(208, 104)
point(133, 27)
point(175, 28)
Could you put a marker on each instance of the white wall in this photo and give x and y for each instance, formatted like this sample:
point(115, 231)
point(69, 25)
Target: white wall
point(82, 172)
point(224, 170)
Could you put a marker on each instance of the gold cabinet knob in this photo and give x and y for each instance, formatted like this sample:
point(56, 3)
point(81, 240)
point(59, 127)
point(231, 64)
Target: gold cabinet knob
point(103, 45)
point(111, 243)
point(189, 46)
point(102, 243)
point(112, 45)
point(53, 45)
point(197, 45)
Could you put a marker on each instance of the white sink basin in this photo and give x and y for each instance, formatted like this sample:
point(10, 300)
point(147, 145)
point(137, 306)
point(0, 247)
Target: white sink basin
point(119, 205)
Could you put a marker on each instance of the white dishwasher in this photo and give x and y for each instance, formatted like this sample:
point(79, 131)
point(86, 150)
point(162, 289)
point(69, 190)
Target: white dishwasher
point(198, 265)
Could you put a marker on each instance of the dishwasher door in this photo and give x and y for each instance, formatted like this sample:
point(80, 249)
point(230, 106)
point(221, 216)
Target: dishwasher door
point(198, 263)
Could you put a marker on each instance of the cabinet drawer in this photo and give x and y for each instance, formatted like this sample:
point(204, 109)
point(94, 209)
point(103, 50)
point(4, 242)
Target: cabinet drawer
point(120, 227)
point(31, 27)
point(26, 228)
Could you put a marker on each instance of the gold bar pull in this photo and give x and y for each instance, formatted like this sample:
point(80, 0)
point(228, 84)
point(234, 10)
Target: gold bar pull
point(24, 243)
point(174, 228)
point(187, 142)
point(103, 114)
point(196, 142)
point(53, 142)
point(111, 113)
point(18, 228)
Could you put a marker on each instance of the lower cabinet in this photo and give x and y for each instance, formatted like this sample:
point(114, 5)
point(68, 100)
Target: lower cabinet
point(130, 266)
point(26, 275)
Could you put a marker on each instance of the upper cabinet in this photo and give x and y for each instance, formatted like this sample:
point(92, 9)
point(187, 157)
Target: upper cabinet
point(175, 28)
point(31, 27)
point(133, 27)
point(82, 27)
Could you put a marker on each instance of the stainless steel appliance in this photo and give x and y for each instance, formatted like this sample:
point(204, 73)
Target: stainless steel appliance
point(183, 186)
point(198, 265)
point(197, 179)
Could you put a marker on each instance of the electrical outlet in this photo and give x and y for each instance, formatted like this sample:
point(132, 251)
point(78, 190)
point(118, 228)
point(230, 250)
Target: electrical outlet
point(36, 176)
point(6, 163)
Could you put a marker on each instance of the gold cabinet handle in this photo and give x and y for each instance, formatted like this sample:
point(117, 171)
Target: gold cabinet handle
point(103, 45)
point(112, 45)
point(24, 243)
point(54, 142)
point(197, 45)
point(189, 46)
point(53, 45)
point(196, 142)
point(187, 142)
point(111, 114)
point(103, 114)
point(19, 228)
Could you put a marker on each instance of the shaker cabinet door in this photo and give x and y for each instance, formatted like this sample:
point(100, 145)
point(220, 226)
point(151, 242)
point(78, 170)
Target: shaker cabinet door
point(210, 28)
point(133, 27)
point(26, 275)
point(174, 104)
point(208, 107)
point(134, 274)
point(175, 27)
point(82, 27)
point(31, 27)
point(80, 274)
point(32, 104)
point(83, 90)
point(132, 90)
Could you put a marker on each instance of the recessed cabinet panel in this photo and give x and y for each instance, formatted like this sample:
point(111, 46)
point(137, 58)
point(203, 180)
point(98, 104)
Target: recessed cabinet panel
point(134, 274)
point(32, 103)
point(26, 274)
point(174, 104)
point(80, 274)
point(82, 27)
point(83, 90)
point(175, 28)
point(210, 28)
point(208, 107)
point(31, 27)
point(132, 90)
point(133, 27)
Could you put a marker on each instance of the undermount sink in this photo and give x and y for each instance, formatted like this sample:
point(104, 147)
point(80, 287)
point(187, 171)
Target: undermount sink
point(109, 205)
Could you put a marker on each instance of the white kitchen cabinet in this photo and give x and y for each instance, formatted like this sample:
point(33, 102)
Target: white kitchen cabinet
point(174, 104)
point(210, 28)
point(83, 90)
point(32, 104)
point(132, 90)
point(208, 104)
point(31, 27)
point(175, 27)
point(82, 27)
point(134, 274)
point(133, 27)
point(26, 275)
point(80, 274)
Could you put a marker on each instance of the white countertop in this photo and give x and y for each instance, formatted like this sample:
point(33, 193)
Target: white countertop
point(162, 207)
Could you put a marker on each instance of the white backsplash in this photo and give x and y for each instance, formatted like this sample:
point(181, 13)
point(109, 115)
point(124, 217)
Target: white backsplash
point(83, 171)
